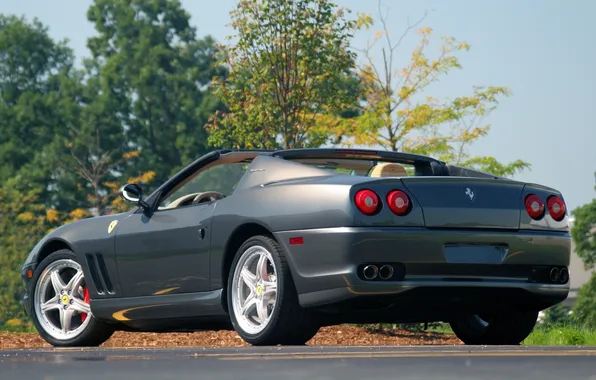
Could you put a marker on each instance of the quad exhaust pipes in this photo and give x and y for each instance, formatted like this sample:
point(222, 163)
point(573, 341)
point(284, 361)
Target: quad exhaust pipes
point(372, 271)
point(397, 272)
point(559, 275)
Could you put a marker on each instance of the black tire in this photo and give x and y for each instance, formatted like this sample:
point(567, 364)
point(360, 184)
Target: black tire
point(289, 323)
point(94, 334)
point(505, 328)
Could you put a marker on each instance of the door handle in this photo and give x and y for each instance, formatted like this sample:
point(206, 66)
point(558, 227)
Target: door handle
point(201, 233)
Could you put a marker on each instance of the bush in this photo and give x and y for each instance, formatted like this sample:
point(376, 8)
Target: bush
point(585, 308)
point(557, 315)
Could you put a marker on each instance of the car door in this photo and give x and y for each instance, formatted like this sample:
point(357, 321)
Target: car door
point(165, 252)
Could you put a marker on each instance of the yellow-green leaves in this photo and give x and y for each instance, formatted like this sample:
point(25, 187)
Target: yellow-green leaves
point(287, 62)
point(398, 112)
point(22, 222)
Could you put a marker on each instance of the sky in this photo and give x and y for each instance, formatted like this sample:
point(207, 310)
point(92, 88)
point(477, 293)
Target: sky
point(539, 49)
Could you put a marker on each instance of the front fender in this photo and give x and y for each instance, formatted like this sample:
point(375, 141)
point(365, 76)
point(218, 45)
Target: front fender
point(82, 236)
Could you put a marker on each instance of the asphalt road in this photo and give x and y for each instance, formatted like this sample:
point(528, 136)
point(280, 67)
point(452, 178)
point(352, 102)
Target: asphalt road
point(312, 363)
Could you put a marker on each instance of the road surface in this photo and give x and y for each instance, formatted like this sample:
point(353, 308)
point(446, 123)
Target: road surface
point(312, 363)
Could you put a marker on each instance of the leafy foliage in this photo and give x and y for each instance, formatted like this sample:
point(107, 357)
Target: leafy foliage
point(397, 115)
point(33, 106)
point(557, 315)
point(134, 112)
point(87, 152)
point(583, 233)
point(585, 307)
point(150, 62)
point(290, 62)
point(22, 222)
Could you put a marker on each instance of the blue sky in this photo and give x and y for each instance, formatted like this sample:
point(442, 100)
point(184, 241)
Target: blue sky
point(543, 50)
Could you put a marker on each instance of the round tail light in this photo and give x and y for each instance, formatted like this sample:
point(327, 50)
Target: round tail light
point(534, 206)
point(398, 202)
point(367, 201)
point(556, 207)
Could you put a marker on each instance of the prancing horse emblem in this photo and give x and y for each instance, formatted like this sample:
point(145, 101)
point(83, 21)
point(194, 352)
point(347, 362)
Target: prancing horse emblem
point(470, 194)
point(111, 226)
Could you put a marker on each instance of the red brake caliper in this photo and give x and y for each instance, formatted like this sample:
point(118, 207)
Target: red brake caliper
point(86, 299)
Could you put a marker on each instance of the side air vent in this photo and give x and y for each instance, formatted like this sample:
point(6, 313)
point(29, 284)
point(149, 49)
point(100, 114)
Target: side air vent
point(99, 273)
point(104, 273)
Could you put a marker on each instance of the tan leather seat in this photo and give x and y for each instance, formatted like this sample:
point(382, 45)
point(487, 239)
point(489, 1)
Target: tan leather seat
point(388, 169)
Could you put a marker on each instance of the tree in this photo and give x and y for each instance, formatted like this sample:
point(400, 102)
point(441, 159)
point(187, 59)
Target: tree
point(22, 221)
point(148, 58)
point(583, 232)
point(398, 115)
point(33, 69)
point(289, 63)
point(92, 152)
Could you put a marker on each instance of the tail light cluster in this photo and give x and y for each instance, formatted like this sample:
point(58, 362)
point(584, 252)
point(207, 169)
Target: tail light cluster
point(370, 203)
point(535, 207)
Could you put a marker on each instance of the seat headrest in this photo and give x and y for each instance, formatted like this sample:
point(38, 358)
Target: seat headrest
point(388, 169)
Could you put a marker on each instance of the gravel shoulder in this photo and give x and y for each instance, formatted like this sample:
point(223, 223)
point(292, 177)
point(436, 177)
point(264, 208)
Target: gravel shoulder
point(327, 336)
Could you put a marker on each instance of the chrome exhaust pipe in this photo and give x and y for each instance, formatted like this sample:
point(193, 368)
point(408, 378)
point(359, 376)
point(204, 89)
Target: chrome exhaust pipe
point(564, 276)
point(370, 272)
point(386, 272)
point(554, 274)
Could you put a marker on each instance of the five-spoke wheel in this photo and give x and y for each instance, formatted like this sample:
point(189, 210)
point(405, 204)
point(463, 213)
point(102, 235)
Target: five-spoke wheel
point(60, 303)
point(262, 299)
point(254, 289)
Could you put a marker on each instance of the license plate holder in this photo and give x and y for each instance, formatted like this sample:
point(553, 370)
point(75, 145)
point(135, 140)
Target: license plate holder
point(475, 254)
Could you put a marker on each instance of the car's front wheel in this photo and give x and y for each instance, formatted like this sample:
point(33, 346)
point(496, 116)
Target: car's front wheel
point(60, 304)
point(504, 328)
point(262, 300)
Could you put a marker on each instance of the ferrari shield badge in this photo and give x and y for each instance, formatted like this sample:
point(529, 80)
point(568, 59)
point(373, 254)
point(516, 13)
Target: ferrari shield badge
point(111, 226)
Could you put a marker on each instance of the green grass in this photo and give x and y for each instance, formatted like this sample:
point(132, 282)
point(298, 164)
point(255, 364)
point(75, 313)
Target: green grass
point(442, 328)
point(545, 335)
point(561, 336)
point(6, 328)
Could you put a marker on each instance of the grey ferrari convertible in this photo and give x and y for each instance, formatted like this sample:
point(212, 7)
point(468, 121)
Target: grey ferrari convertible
point(276, 244)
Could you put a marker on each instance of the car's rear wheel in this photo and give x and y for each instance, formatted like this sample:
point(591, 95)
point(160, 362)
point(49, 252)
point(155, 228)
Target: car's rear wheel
point(60, 303)
point(262, 299)
point(504, 328)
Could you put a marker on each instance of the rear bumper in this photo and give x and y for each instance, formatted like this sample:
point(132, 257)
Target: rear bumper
point(326, 267)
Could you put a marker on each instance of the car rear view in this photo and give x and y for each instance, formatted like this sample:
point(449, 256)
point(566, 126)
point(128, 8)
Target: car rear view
point(481, 252)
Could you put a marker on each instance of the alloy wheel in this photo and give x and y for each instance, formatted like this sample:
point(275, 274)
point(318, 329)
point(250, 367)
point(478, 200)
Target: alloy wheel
point(61, 300)
point(254, 289)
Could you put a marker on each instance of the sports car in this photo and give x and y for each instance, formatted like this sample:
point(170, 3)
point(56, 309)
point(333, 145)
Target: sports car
point(276, 244)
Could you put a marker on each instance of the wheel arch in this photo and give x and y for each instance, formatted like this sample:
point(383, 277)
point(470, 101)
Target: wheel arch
point(50, 247)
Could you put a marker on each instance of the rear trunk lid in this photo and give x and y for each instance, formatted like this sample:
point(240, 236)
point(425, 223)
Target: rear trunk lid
point(462, 202)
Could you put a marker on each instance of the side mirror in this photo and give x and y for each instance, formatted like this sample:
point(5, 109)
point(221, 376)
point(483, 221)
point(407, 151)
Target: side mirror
point(133, 193)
